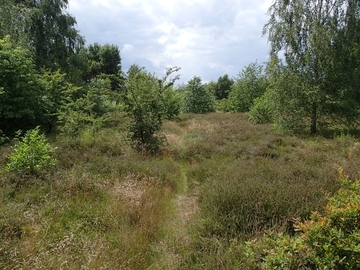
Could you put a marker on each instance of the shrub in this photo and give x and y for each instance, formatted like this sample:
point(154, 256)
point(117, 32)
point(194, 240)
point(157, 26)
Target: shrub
point(147, 105)
point(172, 103)
point(58, 92)
point(31, 154)
point(197, 98)
point(223, 105)
point(89, 111)
point(250, 84)
point(263, 109)
point(329, 241)
point(3, 137)
point(21, 91)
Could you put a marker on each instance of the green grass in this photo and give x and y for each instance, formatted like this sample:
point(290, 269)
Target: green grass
point(219, 181)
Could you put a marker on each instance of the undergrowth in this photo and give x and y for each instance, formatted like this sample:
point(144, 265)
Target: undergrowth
point(103, 206)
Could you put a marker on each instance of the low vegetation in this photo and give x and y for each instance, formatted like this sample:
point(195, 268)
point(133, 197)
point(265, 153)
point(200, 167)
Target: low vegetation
point(207, 200)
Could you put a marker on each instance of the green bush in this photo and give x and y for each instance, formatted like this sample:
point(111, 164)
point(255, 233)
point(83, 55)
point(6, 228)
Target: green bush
point(31, 154)
point(172, 103)
point(250, 84)
point(88, 112)
point(21, 90)
point(223, 105)
point(58, 93)
point(329, 241)
point(262, 111)
point(3, 137)
point(147, 103)
point(197, 98)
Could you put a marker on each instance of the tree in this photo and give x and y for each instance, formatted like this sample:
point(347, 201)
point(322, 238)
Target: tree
point(52, 33)
point(250, 84)
point(211, 87)
point(87, 108)
point(21, 103)
point(58, 92)
point(197, 98)
point(223, 87)
point(144, 100)
point(13, 21)
point(32, 154)
point(104, 61)
point(319, 40)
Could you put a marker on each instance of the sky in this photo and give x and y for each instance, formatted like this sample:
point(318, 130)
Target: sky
point(206, 38)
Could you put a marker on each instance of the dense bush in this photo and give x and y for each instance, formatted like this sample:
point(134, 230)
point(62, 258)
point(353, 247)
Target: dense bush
point(148, 103)
point(197, 98)
point(172, 103)
point(329, 241)
point(250, 84)
point(86, 108)
point(223, 105)
point(21, 105)
point(263, 109)
point(32, 154)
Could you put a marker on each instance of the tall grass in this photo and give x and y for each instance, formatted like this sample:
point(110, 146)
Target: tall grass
point(103, 206)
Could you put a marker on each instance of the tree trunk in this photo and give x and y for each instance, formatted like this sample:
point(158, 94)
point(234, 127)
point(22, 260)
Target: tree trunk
point(313, 118)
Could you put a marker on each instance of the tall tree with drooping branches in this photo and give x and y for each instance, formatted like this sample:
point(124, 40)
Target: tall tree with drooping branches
point(52, 33)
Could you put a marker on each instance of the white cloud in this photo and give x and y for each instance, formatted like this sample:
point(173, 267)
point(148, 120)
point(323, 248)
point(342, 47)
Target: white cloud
point(207, 38)
point(128, 48)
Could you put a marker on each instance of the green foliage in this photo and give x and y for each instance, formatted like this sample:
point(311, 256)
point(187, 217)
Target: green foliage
point(145, 105)
point(223, 87)
point(263, 109)
point(223, 105)
point(32, 154)
point(319, 41)
point(291, 96)
point(329, 241)
point(3, 138)
point(58, 92)
point(250, 84)
point(13, 21)
point(103, 61)
point(87, 108)
point(52, 33)
point(21, 103)
point(197, 98)
point(173, 101)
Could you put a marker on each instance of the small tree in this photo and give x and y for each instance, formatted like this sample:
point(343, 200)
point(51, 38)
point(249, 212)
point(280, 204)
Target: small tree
point(223, 87)
point(31, 154)
point(21, 91)
point(197, 98)
point(172, 102)
point(250, 84)
point(58, 93)
point(263, 109)
point(144, 100)
point(88, 110)
point(103, 61)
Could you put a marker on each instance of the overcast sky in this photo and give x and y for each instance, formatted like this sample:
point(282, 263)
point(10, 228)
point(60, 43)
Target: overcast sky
point(206, 38)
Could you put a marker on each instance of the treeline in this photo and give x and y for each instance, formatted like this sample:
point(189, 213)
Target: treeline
point(48, 77)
